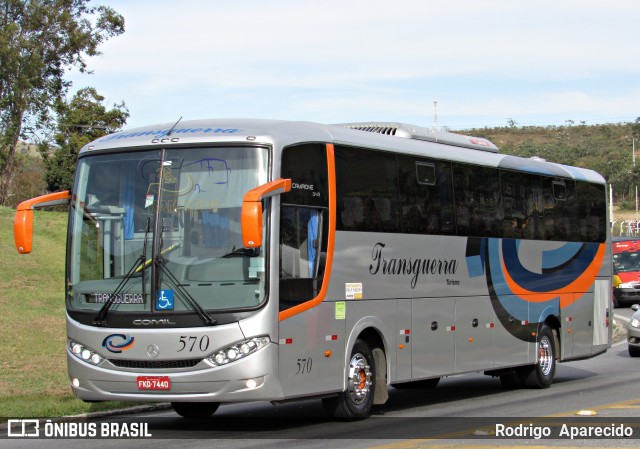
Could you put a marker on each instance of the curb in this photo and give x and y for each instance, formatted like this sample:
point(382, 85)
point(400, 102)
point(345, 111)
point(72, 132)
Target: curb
point(119, 411)
point(100, 414)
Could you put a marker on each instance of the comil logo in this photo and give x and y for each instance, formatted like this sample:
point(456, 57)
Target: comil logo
point(117, 343)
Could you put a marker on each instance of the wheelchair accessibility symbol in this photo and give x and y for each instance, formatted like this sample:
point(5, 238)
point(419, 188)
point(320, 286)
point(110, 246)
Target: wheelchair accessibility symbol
point(164, 300)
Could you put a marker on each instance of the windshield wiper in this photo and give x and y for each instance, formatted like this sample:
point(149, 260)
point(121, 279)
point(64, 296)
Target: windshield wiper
point(243, 252)
point(138, 265)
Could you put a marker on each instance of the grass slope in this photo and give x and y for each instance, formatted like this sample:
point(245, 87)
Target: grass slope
point(33, 369)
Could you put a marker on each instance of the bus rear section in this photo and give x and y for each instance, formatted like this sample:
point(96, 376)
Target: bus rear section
point(626, 271)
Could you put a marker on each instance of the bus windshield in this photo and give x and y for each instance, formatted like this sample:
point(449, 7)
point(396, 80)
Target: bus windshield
point(158, 231)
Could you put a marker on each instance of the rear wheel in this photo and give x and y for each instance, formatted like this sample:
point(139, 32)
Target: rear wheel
point(541, 374)
point(356, 401)
point(195, 409)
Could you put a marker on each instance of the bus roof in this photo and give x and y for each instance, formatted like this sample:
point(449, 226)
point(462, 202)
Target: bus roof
point(404, 138)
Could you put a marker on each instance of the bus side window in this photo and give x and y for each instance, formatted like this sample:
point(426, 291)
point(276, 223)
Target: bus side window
point(478, 200)
point(426, 196)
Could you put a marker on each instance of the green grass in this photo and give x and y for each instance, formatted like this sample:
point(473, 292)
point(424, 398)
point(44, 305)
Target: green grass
point(33, 369)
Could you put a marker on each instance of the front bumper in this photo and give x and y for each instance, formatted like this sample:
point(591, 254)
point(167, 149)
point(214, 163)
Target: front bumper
point(633, 337)
point(627, 295)
point(204, 383)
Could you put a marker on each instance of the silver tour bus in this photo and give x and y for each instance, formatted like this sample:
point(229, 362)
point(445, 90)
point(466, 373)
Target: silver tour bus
point(238, 260)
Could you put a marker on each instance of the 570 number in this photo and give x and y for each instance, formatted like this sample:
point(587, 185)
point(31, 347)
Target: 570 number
point(304, 366)
point(189, 343)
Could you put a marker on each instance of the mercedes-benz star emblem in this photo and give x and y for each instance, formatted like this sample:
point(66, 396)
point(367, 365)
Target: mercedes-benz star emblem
point(153, 351)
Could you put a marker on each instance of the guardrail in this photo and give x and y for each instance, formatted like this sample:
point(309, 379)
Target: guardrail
point(625, 228)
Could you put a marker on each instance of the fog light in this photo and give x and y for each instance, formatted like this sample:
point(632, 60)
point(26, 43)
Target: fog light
point(251, 384)
point(75, 382)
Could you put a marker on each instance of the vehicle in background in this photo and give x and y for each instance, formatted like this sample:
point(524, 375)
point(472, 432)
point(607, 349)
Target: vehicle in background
point(633, 332)
point(626, 270)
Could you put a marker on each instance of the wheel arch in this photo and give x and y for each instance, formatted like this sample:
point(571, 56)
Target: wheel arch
point(553, 322)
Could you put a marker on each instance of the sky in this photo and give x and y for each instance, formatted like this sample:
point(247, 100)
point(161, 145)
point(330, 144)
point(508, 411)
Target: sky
point(486, 63)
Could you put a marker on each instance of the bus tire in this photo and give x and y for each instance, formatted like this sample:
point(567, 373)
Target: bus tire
point(356, 401)
point(195, 410)
point(541, 374)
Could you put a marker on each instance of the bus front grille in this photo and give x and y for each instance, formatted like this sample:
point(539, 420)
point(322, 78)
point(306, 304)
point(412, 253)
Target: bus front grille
point(155, 364)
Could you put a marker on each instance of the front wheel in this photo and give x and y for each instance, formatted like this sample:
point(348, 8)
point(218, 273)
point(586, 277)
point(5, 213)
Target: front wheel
point(541, 374)
point(356, 401)
point(634, 352)
point(195, 410)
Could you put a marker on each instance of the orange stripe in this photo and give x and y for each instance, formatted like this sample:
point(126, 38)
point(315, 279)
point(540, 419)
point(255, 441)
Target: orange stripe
point(124, 348)
point(331, 172)
point(567, 294)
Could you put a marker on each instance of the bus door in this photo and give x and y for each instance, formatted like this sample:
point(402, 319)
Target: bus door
point(308, 328)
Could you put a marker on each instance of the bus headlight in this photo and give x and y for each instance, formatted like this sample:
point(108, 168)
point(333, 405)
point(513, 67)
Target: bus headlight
point(635, 323)
point(238, 350)
point(84, 353)
point(628, 285)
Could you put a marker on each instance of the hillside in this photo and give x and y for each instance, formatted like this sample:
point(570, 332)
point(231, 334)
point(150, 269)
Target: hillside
point(33, 369)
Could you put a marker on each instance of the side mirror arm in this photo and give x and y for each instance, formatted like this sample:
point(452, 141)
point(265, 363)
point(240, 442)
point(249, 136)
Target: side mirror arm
point(23, 221)
point(252, 210)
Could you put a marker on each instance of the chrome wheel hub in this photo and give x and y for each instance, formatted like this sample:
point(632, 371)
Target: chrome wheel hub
point(359, 379)
point(545, 355)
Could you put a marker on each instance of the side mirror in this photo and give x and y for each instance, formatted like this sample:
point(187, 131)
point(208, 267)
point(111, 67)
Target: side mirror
point(252, 210)
point(23, 221)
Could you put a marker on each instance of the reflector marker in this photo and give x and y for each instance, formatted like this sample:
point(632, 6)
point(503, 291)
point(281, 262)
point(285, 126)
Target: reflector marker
point(405, 331)
point(331, 337)
point(285, 341)
point(525, 322)
point(491, 325)
point(451, 328)
point(569, 319)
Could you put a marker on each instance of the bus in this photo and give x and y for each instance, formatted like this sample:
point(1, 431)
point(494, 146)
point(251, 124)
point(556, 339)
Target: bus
point(234, 260)
point(626, 271)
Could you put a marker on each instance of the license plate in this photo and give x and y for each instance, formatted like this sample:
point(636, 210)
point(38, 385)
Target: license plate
point(154, 383)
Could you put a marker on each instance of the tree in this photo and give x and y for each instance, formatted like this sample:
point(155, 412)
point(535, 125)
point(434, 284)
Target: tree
point(80, 121)
point(39, 41)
